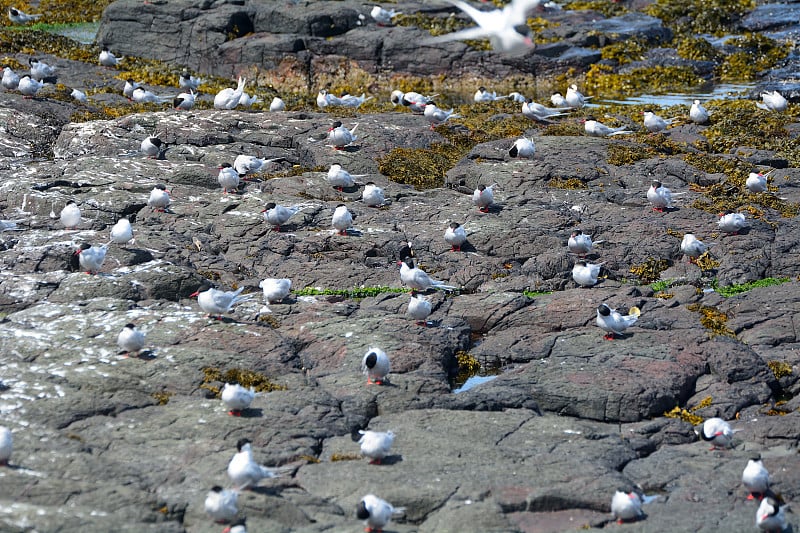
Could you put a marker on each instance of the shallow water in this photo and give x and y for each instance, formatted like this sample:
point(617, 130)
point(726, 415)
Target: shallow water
point(474, 381)
point(723, 91)
point(83, 33)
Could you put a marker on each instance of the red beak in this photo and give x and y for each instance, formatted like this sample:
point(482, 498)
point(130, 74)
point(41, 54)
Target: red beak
point(195, 293)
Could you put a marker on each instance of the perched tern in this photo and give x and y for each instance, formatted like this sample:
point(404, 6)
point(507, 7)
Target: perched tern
point(455, 235)
point(375, 365)
point(732, 223)
point(755, 478)
point(482, 95)
point(339, 136)
point(376, 513)
point(247, 101)
point(275, 289)
point(122, 231)
point(184, 101)
point(228, 178)
point(188, 82)
point(29, 87)
point(250, 164)
point(277, 104)
point(414, 101)
point(79, 96)
point(517, 97)
point(506, 29)
point(523, 148)
point(221, 503)
point(217, 302)
point(558, 100)
point(585, 274)
point(41, 71)
point(91, 257)
point(108, 59)
point(152, 147)
point(382, 16)
point(236, 398)
point(772, 101)
point(579, 243)
point(130, 339)
point(697, 113)
point(229, 98)
point(70, 216)
point(325, 99)
point(717, 432)
point(419, 309)
point(244, 471)
point(372, 195)
point(278, 215)
point(340, 178)
point(534, 111)
point(598, 129)
point(692, 247)
point(349, 100)
point(659, 196)
point(375, 445)
point(239, 526)
point(655, 123)
point(483, 197)
point(129, 87)
point(20, 17)
point(771, 515)
point(6, 445)
point(143, 96)
point(10, 78)
point(159, 199)
point(417, 279)
point(574, 98)
point(436, 116)
point(610, 321)
point(626, 507)
point(756, 182)
point(342, 219)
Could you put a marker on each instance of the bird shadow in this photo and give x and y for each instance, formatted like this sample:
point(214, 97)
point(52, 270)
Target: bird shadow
point(352, 232)
point(743, 231)
point(146, 355)
point(391, 460)
point(252, 412)
point(350, 149)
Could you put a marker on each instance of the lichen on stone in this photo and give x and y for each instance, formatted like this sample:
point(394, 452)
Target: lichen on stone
point(780, 368)
point(650, 270)
point(570, 184)
point(713, 320)
point(162, 397)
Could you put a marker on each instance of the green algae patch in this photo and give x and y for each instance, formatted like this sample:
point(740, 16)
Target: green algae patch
point(780, 369)
point(716, 17)
point(621, 154)
point(607, 8)
point(714, 320)
point(754, 53)
point(162, 397)
point(624, 51)
point(564, 129)
point(706, 262)
point(245, 378)
point(468, 367)
point(601, 79)
point(357, 292)
point(732, 290)
point(57, 11)
point(650, 270)
point(569, 184)
point(696, 49)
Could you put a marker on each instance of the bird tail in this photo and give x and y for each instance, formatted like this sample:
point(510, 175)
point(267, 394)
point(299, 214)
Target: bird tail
point(354, 127)
point(441, 285)
point(762, 106)
point(620, 132)
point(241, 83)
point(242, 298)
point(398, 510)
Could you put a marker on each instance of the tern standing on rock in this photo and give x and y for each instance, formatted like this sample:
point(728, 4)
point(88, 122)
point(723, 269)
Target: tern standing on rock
point(419, 309)
point(275, 289)
point(613, 323)
point(228, 178)
point(70, 216)
point(574, 98)
point(756, 182)
point(372, 195)
point(90, 257)
point(376, 513)
point(697, 113)
point(159, 199)
point(659, 196)
point(122, 232)
point(523, 148)
point(626, 506)
point(216, 302)
point(229, 98)
point(692, 247)
point(29, 87)
point(221, 504)
point(151, 147)
point(340, 137)
point(342, 219)
point(483, 197)
point(20, 17)
point(130, 340)
point(436, 116)
point(375, 365)
point(108, 59)
point(375, 445)
point(236, 398)
point(10, 78)
point(455, 235)
point(732, 223)
point(278, 215)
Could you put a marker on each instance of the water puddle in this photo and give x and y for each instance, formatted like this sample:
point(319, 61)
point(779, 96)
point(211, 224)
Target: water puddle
point(722, 91)
point(474, 381)
point(83, 33)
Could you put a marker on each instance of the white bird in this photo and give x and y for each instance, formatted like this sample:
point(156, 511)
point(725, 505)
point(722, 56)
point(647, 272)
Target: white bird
point(236, 398)
point(10, 78)
point(121, 232)
point(349, 100)
point(382, 16)
point(340, 178)
point(692, 247)
point(339, 136)
point(151, 147)
point(275, 289)
point(558, 100)
point(184, 101)
point(130, 339)
point(731, 223)
point(6, 445)
point(655, 123)
point(325, 99)
point(483, 197)
point(610, 321)
point(229, 98)
point(419, 309)
point(217, 302)
point(756, 182)
point(436, 116)
point(228, 178)
point(771, 515)
point(534, 111)
point(342, 219)
point(574, 98)
point(585, 274)
point(659, 196)
point(79, 96)
point(91, 257)
point(375, 445)
point(375, 365)
point(143, 96)
point(598, 129)
point(108, 59)
point(20, 17)
point(277, 104)
point(239, 526)
point(755, 478)
point(523, 148)
point(482, 95)
point(70, 216)
point(517, 97)
point(579, 243)
point(187, 81)
point(159, 199)
point(278, 215)
point(455, 235)
point(414, 101)
point(41, 70)
point(697, 113)
point(250, 164)
point(129, 87)
point(717, 432)
point(417, 279)
point(29, 87)
point(626, 506)
point(772, 101)
point(247, 101)
point(372, 195)
point(221, 504)
point(376, 512)
point(506, 29)
point(244, 471)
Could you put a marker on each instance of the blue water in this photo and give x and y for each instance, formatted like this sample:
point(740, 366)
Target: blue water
point(474, 381)
point(718, 92)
